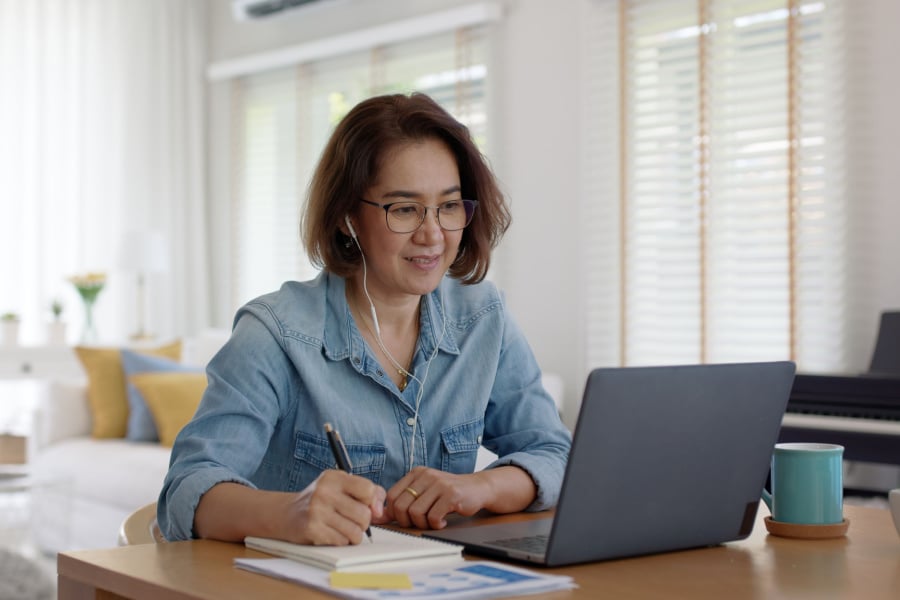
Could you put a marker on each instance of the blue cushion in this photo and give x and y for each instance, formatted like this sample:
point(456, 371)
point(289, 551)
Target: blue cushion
point(141, 427)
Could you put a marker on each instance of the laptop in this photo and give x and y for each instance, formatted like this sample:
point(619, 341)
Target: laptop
point(662, 459)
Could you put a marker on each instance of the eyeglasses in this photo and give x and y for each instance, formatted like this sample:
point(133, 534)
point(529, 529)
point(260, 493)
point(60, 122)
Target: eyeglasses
point(407, 217)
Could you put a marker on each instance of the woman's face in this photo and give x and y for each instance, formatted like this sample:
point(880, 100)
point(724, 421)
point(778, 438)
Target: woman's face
point(409, 263)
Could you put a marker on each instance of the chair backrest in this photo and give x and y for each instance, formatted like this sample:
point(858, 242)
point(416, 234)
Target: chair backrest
point(886, 356)
point(140, 527)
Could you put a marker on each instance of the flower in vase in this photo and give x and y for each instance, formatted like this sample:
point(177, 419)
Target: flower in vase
point(89, 285)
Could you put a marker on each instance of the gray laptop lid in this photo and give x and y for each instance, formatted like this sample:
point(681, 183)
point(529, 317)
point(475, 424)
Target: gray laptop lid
point(663, 458)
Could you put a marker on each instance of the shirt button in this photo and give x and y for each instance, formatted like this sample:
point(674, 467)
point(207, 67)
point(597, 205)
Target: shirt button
point(356, 360)
point(410, 421)
point(379, 373)
point(478, 439)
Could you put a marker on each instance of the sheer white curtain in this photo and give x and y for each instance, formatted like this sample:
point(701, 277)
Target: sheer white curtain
point(101, 109)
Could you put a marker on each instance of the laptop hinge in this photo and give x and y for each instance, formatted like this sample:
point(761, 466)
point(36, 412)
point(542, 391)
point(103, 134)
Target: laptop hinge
point(749, 518)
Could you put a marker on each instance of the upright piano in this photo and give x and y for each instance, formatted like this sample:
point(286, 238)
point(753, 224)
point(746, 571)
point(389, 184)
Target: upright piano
point(859, 412)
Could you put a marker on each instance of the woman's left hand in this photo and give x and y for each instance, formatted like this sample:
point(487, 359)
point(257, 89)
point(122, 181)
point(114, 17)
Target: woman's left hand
point(424, 497)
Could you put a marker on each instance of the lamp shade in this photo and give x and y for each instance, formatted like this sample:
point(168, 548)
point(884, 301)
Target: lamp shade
point(144, 251)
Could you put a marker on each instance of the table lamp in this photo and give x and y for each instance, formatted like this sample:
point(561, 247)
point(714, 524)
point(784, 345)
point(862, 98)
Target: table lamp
point(143, 252)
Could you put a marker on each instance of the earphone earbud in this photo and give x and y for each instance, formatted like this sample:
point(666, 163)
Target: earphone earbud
point(350, 226)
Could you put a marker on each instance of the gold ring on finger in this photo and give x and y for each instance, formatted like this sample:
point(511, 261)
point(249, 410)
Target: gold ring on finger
point(414, 493)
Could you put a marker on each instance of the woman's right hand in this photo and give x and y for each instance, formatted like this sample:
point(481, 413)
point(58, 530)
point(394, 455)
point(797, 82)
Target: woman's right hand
point(335, 510)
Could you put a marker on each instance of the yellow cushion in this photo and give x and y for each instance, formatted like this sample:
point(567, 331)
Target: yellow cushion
point(172, 397)
point(107, 395)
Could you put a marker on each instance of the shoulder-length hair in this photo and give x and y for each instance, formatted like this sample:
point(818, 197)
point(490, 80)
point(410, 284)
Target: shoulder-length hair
point(350, 164)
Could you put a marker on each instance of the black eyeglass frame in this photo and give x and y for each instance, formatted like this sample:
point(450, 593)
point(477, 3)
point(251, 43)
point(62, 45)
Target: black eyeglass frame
point(437, 209)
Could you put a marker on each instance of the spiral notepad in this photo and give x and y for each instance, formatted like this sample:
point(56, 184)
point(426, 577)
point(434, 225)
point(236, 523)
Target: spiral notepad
point(389, 549)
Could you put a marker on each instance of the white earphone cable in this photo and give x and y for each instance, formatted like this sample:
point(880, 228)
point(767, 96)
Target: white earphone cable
point(421, 382)
point(412, 445)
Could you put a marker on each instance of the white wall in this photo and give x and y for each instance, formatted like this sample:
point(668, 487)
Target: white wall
point(535, 153)
point(873, 50)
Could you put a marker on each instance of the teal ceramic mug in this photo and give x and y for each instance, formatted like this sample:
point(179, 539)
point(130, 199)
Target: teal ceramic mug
point(807, 484)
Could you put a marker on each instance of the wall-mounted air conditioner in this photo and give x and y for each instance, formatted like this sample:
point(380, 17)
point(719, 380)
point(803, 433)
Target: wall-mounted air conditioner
point(244, 10)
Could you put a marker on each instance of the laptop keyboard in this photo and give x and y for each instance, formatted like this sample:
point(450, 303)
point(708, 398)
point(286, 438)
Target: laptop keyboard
point(533, 544)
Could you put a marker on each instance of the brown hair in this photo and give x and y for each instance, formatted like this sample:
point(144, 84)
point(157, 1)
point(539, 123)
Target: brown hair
point(350, 163)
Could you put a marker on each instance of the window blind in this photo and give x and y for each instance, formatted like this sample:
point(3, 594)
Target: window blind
point(729, 201)
point(283, 120)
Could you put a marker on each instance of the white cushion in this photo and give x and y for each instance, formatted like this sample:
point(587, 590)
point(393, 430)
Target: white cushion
point(85, 487)
point(63, 412)
point(113, 471)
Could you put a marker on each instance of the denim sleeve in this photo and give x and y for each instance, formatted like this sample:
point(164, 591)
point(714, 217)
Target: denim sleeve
point(228, 436)
point(522, 424)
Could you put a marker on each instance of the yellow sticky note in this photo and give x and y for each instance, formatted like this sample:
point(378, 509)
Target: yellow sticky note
point(373, 581)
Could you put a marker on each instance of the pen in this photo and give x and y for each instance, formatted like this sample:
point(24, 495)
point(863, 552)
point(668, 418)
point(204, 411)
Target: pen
point(341, 457)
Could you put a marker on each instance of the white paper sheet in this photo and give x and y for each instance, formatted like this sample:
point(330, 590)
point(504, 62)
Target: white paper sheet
point(468, 580)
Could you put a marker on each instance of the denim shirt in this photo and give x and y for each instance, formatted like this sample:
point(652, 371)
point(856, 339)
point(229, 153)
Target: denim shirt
point(296, 360)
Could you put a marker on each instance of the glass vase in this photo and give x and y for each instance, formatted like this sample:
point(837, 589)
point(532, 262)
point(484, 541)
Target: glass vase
point(89, 331)
point(89, 287)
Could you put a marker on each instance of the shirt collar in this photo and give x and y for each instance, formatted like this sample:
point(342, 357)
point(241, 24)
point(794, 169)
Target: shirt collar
point(340, 334)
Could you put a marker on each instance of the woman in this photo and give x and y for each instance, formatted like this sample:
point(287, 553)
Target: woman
point(414, 368)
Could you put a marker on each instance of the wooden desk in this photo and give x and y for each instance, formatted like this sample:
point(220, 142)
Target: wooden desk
point(865, 564)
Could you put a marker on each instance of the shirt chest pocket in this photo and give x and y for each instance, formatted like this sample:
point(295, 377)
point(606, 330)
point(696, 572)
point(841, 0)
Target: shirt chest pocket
point(459, 446)
point(312, 455)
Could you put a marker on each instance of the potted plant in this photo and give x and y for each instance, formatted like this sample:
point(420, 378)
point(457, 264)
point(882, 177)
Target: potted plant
point(9, 329)
point(56, 329)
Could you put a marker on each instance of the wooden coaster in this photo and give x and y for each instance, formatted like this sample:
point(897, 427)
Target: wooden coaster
point(807, 532)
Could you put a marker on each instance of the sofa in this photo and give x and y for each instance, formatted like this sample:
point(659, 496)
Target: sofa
point(86, 486)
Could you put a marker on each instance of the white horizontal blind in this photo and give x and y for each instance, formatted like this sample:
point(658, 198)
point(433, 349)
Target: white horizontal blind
point(733, 198)
point(662, 216)
point(602, 155)
point(284, 118)
point(823, 201)
point(749, 166)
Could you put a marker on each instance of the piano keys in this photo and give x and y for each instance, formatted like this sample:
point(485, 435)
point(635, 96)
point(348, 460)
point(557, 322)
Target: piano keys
point(860, 412)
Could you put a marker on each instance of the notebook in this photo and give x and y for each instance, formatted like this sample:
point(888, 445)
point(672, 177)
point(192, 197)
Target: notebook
point(662, 459)
point(388, 549)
